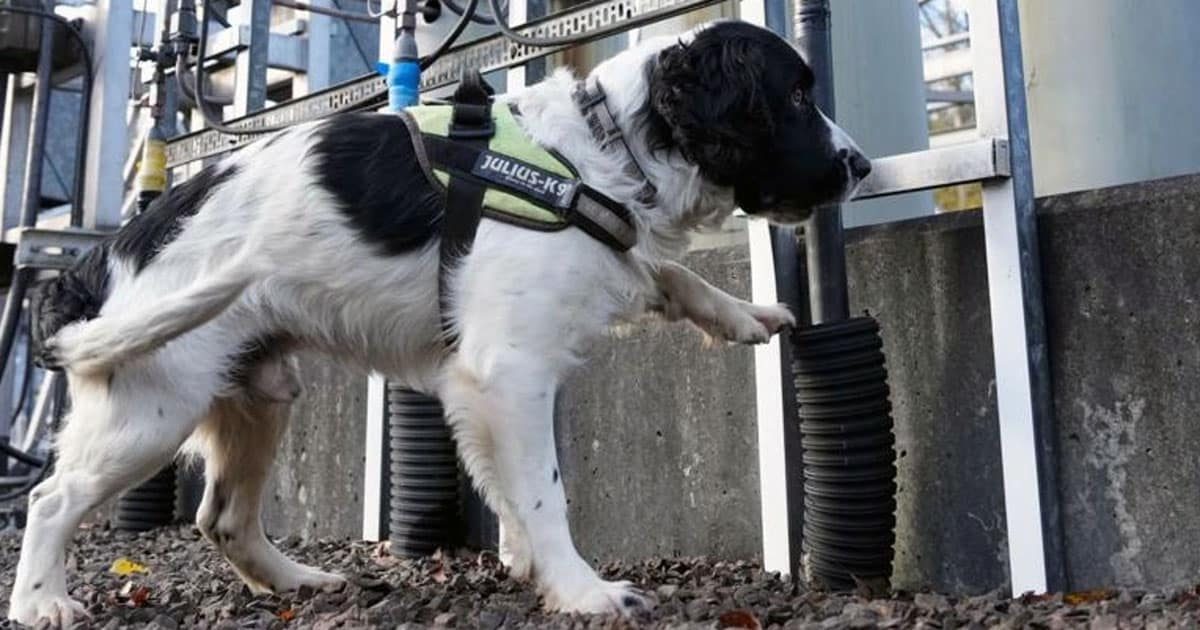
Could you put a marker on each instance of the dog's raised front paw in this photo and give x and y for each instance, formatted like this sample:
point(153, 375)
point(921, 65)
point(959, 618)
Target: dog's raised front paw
point(755, 323)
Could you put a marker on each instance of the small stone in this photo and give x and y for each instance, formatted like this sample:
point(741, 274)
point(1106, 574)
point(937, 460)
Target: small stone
point(696, 610)
point(490, 620)
point(165, 622)
point(932, 601)
point(444, 619)
point(666, 591)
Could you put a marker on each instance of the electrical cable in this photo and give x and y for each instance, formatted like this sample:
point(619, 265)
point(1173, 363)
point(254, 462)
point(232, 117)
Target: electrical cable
point(457, 9)
point(448, 41)
point(22, 398)
point(85, 106)
point(59, 405)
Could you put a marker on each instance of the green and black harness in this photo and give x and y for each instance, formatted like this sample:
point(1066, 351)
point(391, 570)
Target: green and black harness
point(490, 168)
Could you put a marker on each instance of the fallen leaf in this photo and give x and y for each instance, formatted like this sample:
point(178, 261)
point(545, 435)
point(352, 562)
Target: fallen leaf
point(1089, 597)
point(287, 614)
point(139, 596)
point(742, 619)
point(125, 567)
point(439, 575)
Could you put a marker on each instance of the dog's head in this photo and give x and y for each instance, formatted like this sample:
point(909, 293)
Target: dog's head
point(736, 101)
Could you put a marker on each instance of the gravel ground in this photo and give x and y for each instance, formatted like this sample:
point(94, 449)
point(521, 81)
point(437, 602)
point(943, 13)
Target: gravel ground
point(188, 585)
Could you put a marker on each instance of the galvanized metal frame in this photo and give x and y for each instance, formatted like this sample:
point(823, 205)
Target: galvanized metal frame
point(591, 21)
point(112, 31)
point(250, 93)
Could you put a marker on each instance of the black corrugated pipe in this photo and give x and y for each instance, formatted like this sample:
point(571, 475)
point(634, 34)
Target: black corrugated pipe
point(424, 482)
point(841, 389)
point(149, 505)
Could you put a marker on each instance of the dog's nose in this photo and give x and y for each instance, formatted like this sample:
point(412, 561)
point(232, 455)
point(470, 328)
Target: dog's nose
point(860, 166)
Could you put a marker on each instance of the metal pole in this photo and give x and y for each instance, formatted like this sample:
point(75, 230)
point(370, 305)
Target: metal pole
point(1024, 398)
point(251, 92)
point(31, 195)
point(776, 277)
point(825, 243)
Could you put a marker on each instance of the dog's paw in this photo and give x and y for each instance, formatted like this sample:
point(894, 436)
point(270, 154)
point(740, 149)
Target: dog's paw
point(755, 323)
point(309, 576)
point(604, 598)
point(58, 611)
point(774, 317)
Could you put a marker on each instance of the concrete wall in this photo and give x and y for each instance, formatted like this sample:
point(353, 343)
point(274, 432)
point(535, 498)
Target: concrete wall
point(657, 438)
point(316, 488)
point(656, 434)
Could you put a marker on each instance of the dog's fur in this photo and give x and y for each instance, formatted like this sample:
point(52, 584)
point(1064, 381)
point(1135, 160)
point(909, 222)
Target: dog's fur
point(176, 333)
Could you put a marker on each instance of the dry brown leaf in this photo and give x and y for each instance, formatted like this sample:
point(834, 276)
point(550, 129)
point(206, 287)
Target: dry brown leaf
point(286, 615)
point(742, 619)
point(439, 575)
point(139, 596)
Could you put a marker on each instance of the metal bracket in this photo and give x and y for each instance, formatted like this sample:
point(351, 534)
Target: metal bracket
point(39, 248)
point(590, 22)
point(982, 160)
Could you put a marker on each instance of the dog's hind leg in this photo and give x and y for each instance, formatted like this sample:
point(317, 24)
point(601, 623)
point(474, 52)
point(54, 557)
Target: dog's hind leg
point(507, 418)
point(117, 434)
point(238, 440)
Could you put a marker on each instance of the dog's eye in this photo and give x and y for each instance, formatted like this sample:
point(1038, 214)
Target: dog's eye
point(800, 98)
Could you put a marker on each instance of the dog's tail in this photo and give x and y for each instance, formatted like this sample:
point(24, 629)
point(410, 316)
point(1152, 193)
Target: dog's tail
point(98, 345)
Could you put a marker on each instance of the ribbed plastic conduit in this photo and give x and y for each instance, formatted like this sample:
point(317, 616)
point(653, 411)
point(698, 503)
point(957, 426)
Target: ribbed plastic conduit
point(424, 475)
point(849, 456)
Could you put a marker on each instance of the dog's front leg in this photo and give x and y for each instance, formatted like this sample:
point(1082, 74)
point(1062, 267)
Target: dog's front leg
point(503, 420)
point(686, 295)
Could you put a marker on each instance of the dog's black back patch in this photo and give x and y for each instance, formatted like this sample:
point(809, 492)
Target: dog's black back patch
point(148, 233)
point(369, 163)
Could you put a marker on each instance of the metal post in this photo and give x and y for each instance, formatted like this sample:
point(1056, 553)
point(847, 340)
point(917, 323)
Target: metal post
point(107, 132)
point(251, 91)
point(775, 277)
point(825, 243)
point(31, 194)
point(318, 37)
point(1023, 388)
point(375, 474)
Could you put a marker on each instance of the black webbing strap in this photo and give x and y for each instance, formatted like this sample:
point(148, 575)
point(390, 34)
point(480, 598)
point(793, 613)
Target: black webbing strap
point(593, 104)
point(575, 202)
point(470, 124)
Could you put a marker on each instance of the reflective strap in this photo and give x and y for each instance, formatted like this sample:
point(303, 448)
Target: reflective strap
point(613, 231)
point(592, 103)
point(579, 204)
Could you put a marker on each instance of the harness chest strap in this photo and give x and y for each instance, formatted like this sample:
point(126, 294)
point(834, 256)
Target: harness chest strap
point(573, 201)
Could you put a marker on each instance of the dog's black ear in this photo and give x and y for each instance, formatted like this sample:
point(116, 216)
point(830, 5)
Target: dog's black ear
point(712, 103)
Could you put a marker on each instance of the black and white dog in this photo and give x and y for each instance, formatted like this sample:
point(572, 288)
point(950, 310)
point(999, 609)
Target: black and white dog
point(176, 333)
